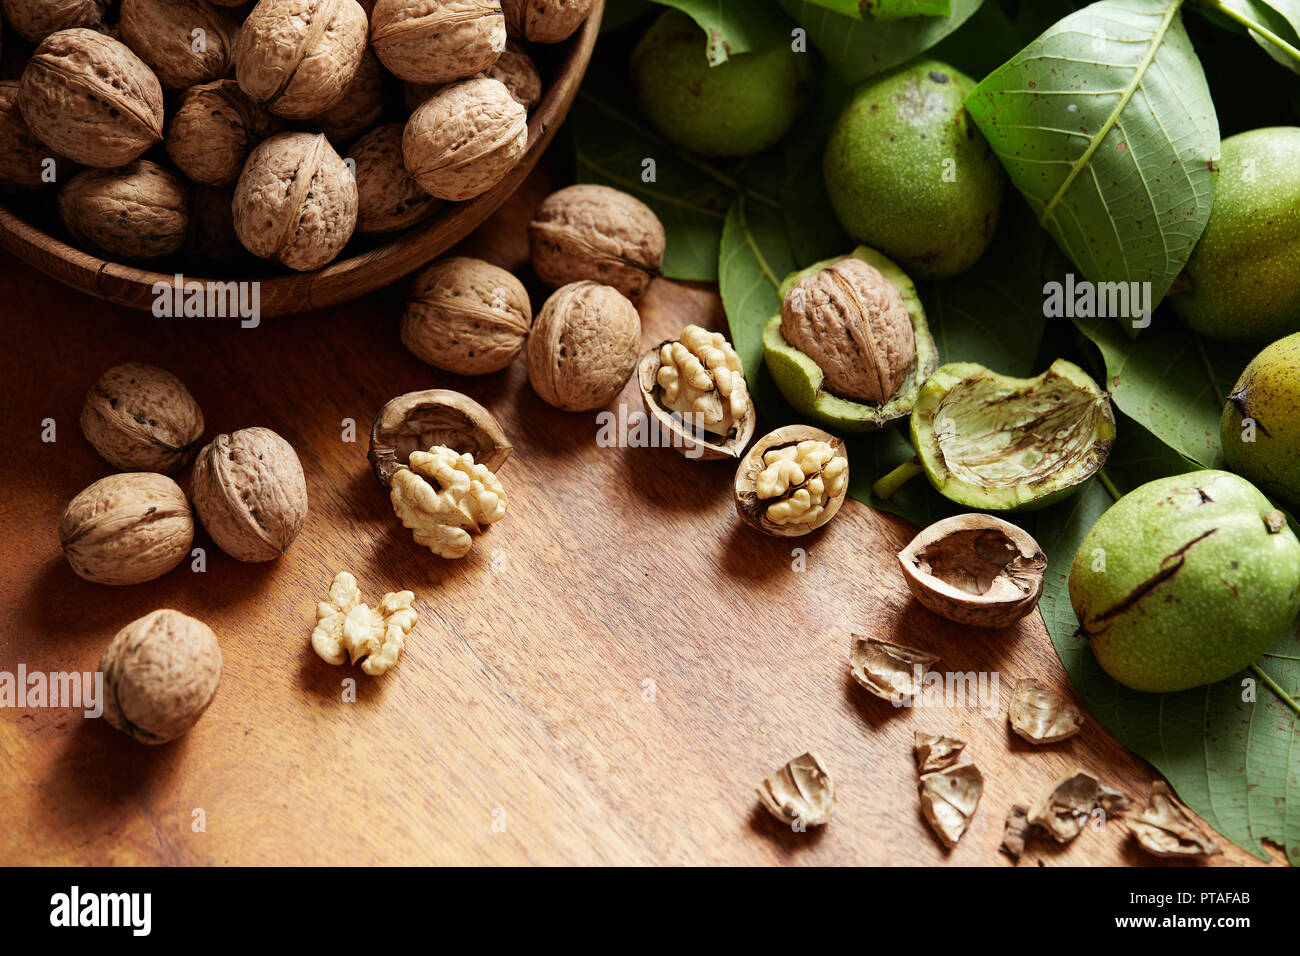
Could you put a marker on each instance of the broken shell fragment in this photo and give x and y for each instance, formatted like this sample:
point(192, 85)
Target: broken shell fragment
point(935, 752)
point(1017, 831)
point(1040, 715)
point(949, 799)
point(892, 672)
point(801, 792)
point(1065, 809)
point(418, 421)
point(1166, 828)
point(975, 569)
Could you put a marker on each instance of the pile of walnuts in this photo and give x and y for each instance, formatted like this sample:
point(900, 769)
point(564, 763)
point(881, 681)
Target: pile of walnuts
point(211, 126)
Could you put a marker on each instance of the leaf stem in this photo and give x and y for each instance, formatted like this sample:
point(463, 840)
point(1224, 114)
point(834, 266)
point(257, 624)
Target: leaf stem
point(1272, 685)
point(900, 476)
point(1109, 485)
point(1251, 26)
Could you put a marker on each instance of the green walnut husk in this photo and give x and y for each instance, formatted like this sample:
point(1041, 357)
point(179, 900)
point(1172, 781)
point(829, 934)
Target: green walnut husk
point(1268, 396)
point(1185, 581)
point(999, 443)
point(801, 380)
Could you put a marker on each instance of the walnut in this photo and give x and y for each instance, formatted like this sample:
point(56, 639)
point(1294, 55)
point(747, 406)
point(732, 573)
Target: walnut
point(140, 211)
point(466, 316)
point(213, 127)
point(161, 672)
point(388, 198)
point(361, 106)
point(142, 418)
point(437, 416)
point(545, 21)
point(37, 19)
point(347, 629)
point(296, 201)
point(184, 41)
point(851, 321)
point(465, 139)
point(127, 528)
point(88, 97)
point(799, 792)
point(297, 57)
point(583, 347)
point(250, 493)
point(597, 233)
point(25, 161)
point(442, 496)
point(792, 481)
point(437, 41)
point(514, 68)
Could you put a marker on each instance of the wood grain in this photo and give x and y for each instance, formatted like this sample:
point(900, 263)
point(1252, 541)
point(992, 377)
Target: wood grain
point(346, 278)
point(605, 677)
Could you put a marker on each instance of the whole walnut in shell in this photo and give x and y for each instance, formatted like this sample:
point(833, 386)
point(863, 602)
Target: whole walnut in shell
point(25, 161)
point(388, 197)
point(465, 139)
point(37, 19)
point(437, 41)
point(851, 321)
point(583, 347)
point(213, 127)
point(250, 493)
point(161, 672)
point(545, 21)
point(88, 97)
point(127, 528)
point(142, 418)
point(297, 57)
point(296, 201)
point(361, 106)
point(597, 233)
point(466, 316)
point(514, 68)
point(184, 41)
point(141, 211)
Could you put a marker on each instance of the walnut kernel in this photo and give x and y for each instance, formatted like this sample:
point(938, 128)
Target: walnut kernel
point(347, 629)
point(442, 496)
point(792, 481)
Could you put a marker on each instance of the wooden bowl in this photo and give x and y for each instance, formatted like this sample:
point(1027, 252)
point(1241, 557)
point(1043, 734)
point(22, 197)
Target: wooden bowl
point(343, 279)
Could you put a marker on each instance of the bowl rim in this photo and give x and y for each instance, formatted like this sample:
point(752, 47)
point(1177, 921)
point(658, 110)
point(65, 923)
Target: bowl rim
point(344, 279)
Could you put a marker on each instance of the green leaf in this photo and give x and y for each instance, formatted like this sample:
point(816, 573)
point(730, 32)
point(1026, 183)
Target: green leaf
point(1106, 126)
point(619, 13)
point(1171, 381)
point(857, 49)
point(689, 197)
point(734, 27)
point(899, 9)
point(1274, 25)
point(1234, 762)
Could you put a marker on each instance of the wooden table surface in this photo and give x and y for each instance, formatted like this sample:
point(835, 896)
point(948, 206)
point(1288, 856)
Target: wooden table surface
point(603, 680)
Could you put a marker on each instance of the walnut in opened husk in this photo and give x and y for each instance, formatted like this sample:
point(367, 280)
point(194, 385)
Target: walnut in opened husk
point(442, 497)
point(127, 528)
point(160, 674)
point(466, 316)
point(583, 347)
point(799, 793)
point(348, 629)
point(792, 481)
point(417, 421)
point(142, 418)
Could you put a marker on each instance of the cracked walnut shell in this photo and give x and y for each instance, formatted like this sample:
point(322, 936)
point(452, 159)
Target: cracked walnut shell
point(212, 129)
point(695, 388)
point(250, 493)
point(140, 211)
point(583, 347)
point(949, 799)
point(36, 19)
point(545, 21)
point(466, 316)
point(89, 98)
point(418, 421)
point(297, 57)
point(597, 233)
point(800, 792)
point(296, 201)
point(161, 672)
point(852, 322)
point(442, 496)
point(127, 528)
point(183, 41)
point(792, 481)
point(465, 139)
point(142, 418)
point(437, 41)
point(388, 197)
point(349, 630)
point(1041, 716)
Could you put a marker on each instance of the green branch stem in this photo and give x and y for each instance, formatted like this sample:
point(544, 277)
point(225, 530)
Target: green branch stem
point(900, 476)
point(1245, 21)
point(1272, 685)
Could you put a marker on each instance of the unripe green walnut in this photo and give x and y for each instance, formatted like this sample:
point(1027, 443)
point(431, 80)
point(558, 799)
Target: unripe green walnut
point(1268, 393)
point(738, 108)
point(910, 174)
point(1185, 581)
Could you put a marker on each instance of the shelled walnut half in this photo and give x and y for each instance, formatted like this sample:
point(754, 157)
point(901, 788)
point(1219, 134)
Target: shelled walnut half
point(695, 389)
point(348, 629)
point(443, 496)
point(793, 481)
